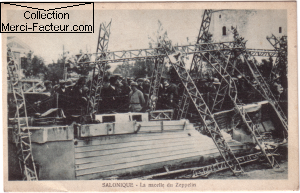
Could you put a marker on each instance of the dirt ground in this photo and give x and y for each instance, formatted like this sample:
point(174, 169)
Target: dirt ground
point(256, 170)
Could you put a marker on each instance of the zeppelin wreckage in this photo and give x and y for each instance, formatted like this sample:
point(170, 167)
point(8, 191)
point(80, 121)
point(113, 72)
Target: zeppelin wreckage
point(217, 113)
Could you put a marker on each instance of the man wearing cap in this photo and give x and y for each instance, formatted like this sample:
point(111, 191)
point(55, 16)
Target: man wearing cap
point(137, 99)
point(169, 94)
point(140, 82)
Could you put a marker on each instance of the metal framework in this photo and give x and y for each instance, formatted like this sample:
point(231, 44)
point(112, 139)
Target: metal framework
point(263, 52)
point(21, 131)
point(219, 166)
point(232, 93)
point(161, 115)
point(221, 92)
point(99, 68)
point(155, 83)
point(152, 53)
point(260, 84)
point(196, 61)
point(280, 45)
point(207, 118)
point(203, 171)
point(203, 33)
point(263, 86)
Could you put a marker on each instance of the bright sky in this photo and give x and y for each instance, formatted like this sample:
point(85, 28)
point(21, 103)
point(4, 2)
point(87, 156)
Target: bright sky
point(129, 30)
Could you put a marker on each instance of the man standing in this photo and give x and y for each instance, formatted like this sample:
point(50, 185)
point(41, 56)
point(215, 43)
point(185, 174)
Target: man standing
point(137, 99)
point(169, 95)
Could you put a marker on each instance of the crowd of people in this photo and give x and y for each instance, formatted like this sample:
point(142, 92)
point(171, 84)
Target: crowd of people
point(120, 94)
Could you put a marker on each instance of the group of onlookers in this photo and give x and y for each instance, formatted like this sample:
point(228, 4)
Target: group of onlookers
point(120, 94)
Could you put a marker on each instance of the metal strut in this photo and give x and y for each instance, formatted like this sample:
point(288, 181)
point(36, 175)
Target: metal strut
point(280, 46)
point(202, 38)
point(263, 86)
point(208, 120)
point(202, 171)
point(221, 92)
point(232, 93)
point(99, 69)
point(22, 134)
point(155, 84)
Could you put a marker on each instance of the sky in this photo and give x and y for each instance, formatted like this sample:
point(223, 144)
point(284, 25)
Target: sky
point(130, 29)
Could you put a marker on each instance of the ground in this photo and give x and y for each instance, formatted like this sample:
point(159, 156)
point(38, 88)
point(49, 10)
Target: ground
point(256, 171)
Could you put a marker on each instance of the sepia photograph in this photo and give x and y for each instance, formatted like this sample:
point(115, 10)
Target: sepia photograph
point(156, 97)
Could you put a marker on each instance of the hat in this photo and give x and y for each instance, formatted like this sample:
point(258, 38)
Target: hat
point(140, 79)
point(216, 81)
point(47, 82)
point(113, 79)
point(133, 84)
point(62, 82)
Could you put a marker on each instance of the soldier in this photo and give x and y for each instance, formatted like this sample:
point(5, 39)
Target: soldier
point(146, 87)
point(108, 94)
point(140, 82)
point(137, 100)
point(169, 94)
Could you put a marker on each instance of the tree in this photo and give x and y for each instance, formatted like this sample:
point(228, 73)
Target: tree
point(55, 71)
point(34, 67)
point(82, 68)
point(142, 68)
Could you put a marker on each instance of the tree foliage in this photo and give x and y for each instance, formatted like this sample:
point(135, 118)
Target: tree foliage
point(32, 68)
point(140, 68)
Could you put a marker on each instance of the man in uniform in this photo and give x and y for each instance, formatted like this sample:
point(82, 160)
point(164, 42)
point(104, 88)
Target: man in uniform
point(140, 82)
point(169, 94)
point(137, 100)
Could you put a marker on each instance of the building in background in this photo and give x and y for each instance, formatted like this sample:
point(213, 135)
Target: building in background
point(253, 25)
point(21, 51)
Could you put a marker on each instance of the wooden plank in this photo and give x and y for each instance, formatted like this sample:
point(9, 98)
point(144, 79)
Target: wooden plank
point(135, 151)
point(136, 158)
point(120, 147)
point(142, 144)
point(134, 142)
point(134, 137)
point(134, 163)
point(92, 162)
point(145, 169)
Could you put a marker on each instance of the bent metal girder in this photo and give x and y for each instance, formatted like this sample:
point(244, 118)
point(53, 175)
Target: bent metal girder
point(207, 118)
point(149, 53)
point(204, 28)
point(252, 63)
point(221, 92)
point(261, 86)
point(280, 45)
point(23, 135)
point(99, 69)
point(232, 93)
point(202, 38)
point(263, 52)
point(203, 32)
point(155, 83)
point(202, 171)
